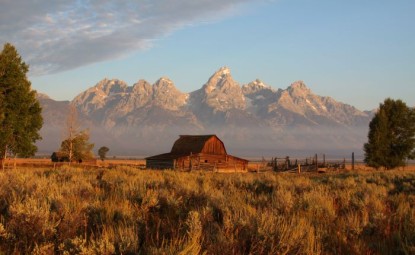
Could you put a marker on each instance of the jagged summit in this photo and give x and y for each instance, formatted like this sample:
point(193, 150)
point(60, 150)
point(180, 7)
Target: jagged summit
point(167, 96)
point(223, 71)
point(222, 92)
point(255, 87)
point(298, 85)
point(259, 83)
point(164, 79)
point(141, 85)
point(111, 86)
point(220, 80)
point(164, 83)
point(298, 89)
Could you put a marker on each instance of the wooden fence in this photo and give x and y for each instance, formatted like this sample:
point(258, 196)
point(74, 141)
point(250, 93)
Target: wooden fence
point(307, 164)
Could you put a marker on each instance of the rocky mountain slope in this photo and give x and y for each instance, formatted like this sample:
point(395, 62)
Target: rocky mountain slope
point(253, 120)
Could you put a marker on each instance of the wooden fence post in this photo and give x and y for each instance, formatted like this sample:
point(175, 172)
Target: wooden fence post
point(276, 164)
point(190, 162)
point(287, 163)
point(352, 160)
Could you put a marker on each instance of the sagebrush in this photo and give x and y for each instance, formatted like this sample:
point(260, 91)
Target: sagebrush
point(130, 211)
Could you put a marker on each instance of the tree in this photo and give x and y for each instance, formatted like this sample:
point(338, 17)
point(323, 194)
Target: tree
point(102, 152)
point(54, 157)
point(76, 146)
point(72, 127)
point(391, 137)
point(20, 111)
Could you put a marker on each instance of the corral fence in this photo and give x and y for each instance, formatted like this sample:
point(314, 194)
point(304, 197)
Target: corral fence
point(308, 164)
point(315, 163)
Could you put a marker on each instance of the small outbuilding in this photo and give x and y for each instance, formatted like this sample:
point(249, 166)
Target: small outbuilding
point(197, 152)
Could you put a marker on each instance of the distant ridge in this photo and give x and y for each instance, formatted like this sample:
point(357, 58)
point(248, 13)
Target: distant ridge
point(252, 119)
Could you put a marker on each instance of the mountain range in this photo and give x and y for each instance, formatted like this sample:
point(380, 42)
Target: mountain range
point(253, 120)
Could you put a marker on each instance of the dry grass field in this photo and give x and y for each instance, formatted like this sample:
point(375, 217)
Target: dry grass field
point(46, 162)
point(124, 210)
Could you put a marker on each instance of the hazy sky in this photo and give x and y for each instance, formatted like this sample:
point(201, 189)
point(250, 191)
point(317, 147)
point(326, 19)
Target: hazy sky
point(358, 52)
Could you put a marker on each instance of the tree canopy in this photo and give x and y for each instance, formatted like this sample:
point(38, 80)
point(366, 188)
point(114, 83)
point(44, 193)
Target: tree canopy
point(391, 138)
point(102, 152)
point(77, 148)
point(20, 111)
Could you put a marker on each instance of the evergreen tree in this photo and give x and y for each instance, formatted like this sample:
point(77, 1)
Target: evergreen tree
point(391, 138)
point(102, 152)
point(20, 111)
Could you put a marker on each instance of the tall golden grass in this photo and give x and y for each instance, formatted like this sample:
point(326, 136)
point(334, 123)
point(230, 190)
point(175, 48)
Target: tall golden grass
point(130, 211)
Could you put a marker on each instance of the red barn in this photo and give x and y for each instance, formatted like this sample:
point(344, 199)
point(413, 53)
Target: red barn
point(197, 152)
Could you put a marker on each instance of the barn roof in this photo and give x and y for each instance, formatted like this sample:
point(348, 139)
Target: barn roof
point(164, 156)
point(187, 144)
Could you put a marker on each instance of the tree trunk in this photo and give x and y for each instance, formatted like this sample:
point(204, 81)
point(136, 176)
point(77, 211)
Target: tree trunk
point(70, 150)
point(3, 161)
point(14, 163)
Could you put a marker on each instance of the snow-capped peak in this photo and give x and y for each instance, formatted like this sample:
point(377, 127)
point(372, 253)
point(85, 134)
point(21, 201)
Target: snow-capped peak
point(222, 73)
point(224, 70)
point(256, 86)
point(167, 79)
point(259, 83)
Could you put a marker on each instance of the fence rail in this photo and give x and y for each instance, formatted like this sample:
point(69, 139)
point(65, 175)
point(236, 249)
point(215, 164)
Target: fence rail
point(316, 163)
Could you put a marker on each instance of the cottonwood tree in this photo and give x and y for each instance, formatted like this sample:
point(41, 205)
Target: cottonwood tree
point(391, 138)
point(76, 146)
point(20, 111)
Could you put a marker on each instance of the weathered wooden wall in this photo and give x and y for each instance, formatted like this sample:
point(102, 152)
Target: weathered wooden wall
point(210, 162)
point(160, 164)
point(214, 146)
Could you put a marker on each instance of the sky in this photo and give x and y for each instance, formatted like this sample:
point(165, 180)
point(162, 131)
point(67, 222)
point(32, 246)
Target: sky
point(357, 52)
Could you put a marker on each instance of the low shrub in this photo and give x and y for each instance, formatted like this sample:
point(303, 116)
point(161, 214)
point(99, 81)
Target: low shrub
point(129, 211)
